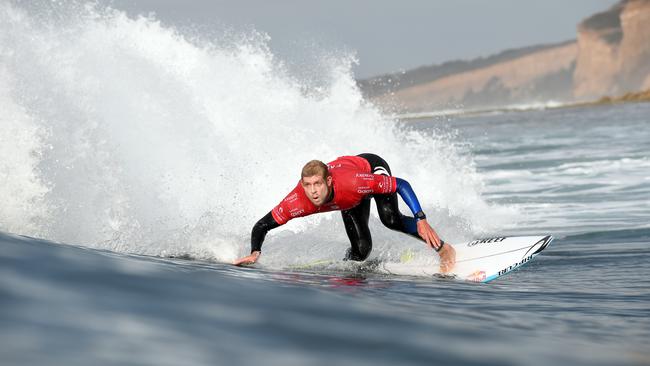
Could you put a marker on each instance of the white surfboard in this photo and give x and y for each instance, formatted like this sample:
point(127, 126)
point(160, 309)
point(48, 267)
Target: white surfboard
point(480, 260)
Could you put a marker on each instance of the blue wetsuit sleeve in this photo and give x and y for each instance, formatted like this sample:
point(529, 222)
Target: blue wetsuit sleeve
point(406, 192)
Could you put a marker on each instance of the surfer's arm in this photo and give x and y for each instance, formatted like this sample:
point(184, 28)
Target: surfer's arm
point(384, 184)
point(263, 226)
point(418, 224)
point(425, 231)
point(289, 208)
point(406, 192)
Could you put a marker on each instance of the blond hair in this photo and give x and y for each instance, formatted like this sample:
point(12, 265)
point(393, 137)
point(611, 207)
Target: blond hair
point(315, 167)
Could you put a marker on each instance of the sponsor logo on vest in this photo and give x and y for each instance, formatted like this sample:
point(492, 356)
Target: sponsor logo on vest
point(296, 212)
point(485, 241)
point(292, 197)
point(365, 176)
point(364, 191)
point(280, 213)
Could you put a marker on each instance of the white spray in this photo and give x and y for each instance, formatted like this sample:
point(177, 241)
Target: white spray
point(123, 134)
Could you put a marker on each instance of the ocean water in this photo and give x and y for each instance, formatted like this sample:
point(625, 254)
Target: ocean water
point(135, 158)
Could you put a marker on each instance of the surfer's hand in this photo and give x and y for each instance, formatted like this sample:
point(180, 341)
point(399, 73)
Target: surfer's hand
point(249, 259)
point(427, 233)
point(447, 258)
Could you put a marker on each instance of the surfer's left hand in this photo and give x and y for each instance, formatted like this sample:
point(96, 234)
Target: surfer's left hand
point(249, 259)
point(429, 235)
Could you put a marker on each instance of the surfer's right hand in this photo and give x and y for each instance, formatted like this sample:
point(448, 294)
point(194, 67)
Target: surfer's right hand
point(427, 234)
point(249, 259)
point(447, 258)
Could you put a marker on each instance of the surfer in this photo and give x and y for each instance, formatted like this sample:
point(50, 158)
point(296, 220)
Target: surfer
point(347, 184)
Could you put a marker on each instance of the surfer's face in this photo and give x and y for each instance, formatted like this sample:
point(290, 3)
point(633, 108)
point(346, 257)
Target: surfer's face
point(316, 188)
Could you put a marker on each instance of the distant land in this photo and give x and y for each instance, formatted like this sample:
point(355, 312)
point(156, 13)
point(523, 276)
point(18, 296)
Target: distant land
point(611, 56)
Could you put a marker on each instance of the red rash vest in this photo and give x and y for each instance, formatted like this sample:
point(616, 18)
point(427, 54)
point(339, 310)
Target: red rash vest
point(352, 180)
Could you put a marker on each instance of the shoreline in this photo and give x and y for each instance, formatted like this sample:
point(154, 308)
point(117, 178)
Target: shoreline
point(630, 97)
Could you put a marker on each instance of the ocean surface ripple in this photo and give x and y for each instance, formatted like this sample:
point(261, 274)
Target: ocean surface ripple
point(583, 301)
point(135, 159)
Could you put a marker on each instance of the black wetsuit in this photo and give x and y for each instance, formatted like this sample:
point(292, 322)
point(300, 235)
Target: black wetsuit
point(356, 219)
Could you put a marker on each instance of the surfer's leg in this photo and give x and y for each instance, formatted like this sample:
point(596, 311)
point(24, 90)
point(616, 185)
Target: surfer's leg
point(356, 226)
point(392, 218)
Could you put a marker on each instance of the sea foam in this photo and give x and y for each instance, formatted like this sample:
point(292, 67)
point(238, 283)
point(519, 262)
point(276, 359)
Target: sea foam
point(126, 134)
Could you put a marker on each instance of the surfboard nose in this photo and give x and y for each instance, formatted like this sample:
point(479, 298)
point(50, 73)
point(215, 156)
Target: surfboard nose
point(543, 243)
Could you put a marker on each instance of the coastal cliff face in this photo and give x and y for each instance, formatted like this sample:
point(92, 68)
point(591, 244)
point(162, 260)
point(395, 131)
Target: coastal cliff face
point(634, 56)
point(542, 75)
point(614, 51)
point(598, 42)
point(610, 57)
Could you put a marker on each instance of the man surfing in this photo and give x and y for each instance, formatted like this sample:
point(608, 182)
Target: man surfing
point(347, 184)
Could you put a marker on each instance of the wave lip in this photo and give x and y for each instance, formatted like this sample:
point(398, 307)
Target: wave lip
point(137, 137)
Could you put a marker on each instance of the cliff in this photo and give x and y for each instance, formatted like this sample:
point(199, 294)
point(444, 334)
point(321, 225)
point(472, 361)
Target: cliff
point(614, 51)
point(391, 82)
point(610, 57)
point(543, 74)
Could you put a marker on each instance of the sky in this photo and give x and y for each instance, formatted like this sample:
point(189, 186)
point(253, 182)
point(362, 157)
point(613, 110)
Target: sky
point(385, 36)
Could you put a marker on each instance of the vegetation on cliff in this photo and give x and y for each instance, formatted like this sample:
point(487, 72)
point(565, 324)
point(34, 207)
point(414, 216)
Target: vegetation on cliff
point(642, 96)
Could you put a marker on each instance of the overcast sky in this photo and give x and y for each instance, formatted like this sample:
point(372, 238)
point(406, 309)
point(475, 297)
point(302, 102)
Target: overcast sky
point(387, 36)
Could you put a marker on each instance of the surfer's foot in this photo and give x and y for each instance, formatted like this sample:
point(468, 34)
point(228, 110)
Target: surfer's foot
point(447, 258)
point(352, 256)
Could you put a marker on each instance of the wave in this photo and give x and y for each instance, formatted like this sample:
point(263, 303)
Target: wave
point(460, 111)
point(124, 134)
